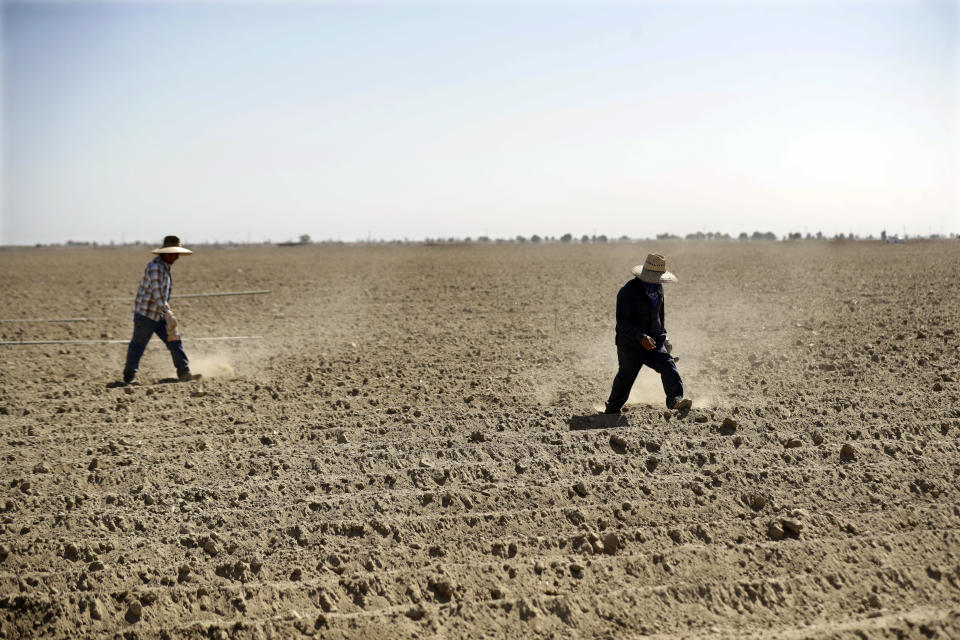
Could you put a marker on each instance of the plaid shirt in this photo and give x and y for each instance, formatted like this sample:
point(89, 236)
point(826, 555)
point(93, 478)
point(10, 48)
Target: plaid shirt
point(155, 288)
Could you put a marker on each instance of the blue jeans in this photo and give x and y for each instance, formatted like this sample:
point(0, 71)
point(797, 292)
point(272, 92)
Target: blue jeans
point(631, 361)
point(143, 330)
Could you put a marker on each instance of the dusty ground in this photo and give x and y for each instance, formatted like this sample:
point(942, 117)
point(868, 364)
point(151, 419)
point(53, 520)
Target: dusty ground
point(411, 450)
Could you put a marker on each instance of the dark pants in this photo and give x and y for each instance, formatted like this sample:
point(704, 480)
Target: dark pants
point(631, 360)
point(143, 330)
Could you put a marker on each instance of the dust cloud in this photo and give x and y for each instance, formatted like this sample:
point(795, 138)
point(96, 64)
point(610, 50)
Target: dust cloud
point(218, 365)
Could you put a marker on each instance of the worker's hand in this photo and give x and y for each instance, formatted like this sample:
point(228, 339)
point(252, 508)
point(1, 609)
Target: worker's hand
point(647, 343)
point(168, 315)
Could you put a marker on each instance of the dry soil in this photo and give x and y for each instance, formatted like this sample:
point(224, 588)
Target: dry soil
point(413, 448)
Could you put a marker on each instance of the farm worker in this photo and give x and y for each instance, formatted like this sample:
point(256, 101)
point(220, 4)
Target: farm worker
point(152, 314)
point(642, 335)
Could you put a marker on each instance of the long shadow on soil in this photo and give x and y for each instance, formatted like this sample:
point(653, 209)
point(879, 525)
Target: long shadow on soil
point(597, 421)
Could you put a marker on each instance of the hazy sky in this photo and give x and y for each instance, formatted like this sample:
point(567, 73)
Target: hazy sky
point(265, 120)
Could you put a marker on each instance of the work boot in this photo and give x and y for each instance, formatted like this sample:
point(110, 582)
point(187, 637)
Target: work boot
point(679, 404)
point(184, 375)
point(128, 378)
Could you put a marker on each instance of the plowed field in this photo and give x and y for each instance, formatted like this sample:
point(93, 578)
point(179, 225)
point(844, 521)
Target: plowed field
point(412, 449)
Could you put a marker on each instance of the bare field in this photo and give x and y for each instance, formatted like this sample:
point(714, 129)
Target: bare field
point(411, 450)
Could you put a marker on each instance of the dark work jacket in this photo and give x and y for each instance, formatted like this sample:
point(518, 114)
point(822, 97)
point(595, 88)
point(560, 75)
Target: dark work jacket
point(636, 317)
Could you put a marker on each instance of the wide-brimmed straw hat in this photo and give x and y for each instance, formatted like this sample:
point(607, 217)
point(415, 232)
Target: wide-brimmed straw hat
point(654, 270)
point(171, 244)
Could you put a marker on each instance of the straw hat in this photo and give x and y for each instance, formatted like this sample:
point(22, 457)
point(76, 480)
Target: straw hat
point(654, 270)
point(171, 244)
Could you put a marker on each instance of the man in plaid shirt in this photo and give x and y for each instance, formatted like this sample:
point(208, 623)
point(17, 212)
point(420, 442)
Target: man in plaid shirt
point(152, 315)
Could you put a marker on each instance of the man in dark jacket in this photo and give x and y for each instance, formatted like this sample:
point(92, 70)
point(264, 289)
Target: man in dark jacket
point(642, 336)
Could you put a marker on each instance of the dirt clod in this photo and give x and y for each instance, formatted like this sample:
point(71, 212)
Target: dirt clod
point(611, 542)
point(775, 530)
point(729, 426)
point(134, 611)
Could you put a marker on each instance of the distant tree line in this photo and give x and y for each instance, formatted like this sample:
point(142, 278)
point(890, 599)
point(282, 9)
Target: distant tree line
point(566, 238)
point(698, 236)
